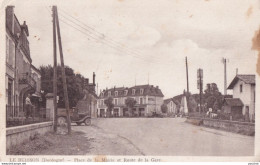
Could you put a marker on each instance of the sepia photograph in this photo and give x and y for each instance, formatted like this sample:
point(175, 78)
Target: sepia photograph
point(130, 78)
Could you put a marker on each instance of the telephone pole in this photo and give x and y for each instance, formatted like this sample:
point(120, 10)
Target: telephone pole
point(65, 90)
point(54, 70)
point(187, 74)
point(225, 75)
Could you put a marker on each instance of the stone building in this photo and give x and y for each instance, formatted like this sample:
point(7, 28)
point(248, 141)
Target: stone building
point(148, 101)
point(88, 104)
point(172, 108)
point(243, 87)
point(22, 78)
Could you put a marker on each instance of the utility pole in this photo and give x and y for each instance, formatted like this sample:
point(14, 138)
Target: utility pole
point(200, 85)
point(187, 74)
point(65, 90)
point(54, 70)
point(225, 75)
point(200, 90)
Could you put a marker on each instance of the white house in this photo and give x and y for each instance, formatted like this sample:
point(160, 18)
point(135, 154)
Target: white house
point(243, 87)
point(171, 106)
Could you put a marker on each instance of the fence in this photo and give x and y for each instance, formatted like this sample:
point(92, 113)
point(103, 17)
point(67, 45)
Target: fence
point(221, 116)
point(16, 115)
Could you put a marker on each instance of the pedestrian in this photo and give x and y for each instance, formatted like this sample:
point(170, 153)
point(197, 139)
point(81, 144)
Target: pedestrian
point(28, 105)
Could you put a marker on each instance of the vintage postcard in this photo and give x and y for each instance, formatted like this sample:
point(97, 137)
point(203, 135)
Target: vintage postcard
point(129, 80)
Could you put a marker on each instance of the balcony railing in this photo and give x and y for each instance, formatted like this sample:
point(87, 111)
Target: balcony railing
point(25, 78)
point(16, 115)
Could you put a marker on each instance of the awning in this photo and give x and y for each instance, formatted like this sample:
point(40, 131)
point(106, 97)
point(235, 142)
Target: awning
point(35, 95)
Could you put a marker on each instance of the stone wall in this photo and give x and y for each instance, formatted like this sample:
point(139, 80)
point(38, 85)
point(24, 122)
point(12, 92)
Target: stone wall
point(245, 128)
point(20, 134)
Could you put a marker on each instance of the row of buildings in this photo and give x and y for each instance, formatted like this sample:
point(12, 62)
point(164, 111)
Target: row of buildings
point(22, 77)
point(149, 100)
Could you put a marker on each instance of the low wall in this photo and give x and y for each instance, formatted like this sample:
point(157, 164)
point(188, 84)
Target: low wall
point(19, 134)
point(245, 128)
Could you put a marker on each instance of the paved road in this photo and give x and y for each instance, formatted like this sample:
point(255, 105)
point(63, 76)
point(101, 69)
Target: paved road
point(174, 137)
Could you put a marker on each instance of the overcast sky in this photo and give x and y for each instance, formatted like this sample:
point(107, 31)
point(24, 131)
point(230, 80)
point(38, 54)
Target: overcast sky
point(132, 39)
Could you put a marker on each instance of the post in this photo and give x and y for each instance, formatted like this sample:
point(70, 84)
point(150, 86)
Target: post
point(54, 70)
point(65, 90)
point(187, 74)
point(225, 75)
point(200, 89)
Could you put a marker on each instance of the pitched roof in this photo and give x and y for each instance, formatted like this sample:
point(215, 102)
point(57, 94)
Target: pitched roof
point(248, 79)
point(233, 102)
point(149, 90)
point(174, 100)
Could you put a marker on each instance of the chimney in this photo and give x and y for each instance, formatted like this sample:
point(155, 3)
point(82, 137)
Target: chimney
point(9, 18)
point(94, 78)
point(157, 87)
point(114, 88)
point(236, 71)
point(86, 82)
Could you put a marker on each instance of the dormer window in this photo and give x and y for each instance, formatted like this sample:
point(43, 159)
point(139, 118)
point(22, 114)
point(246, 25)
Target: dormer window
point(141, 91)
point(102, 94)
point(125, 92)
point(109, 93)
point(116, 93)
point(133, 91)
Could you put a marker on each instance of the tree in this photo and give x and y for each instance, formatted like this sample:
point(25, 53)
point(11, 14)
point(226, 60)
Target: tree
point(192, 106)
point(75, 84)
point(164, 108)
point(130, 103)
point(109, 104)
point(213, 97)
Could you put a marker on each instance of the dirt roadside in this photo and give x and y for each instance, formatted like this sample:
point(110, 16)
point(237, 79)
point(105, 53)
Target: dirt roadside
point(84, 140)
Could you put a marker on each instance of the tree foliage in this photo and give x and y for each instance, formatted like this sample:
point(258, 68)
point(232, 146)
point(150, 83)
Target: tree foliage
point(75, 84)
point(130, 103)
point(164, 108)
point(192, 104)
point(109, 103)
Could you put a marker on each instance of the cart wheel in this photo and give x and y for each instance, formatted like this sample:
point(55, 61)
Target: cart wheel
point(78, 123)
point(61, 121)
point(87, 121)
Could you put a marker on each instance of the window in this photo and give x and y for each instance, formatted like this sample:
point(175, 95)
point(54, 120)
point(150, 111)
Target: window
point(102, 102)
point(241, 88)
point(11, 53)
point(9, 92)
point(116, 93)
point(109, 93)
point(116, 101)
point(141, 100)
point(7, 49)
point(141, 91)
point(133, 91)
point(125, 92)
point(102, 94)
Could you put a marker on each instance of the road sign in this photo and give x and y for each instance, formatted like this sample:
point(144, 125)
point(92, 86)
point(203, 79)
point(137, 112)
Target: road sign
point(200, 78)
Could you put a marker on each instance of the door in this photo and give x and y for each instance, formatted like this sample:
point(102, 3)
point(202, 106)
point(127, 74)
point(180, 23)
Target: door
point(247, 113)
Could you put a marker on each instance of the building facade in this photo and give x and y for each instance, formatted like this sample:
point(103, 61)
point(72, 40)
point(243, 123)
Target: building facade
point(171, 106)
point(243, 87)
point(88, 104)
point(22, 78)
point(148, 101)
